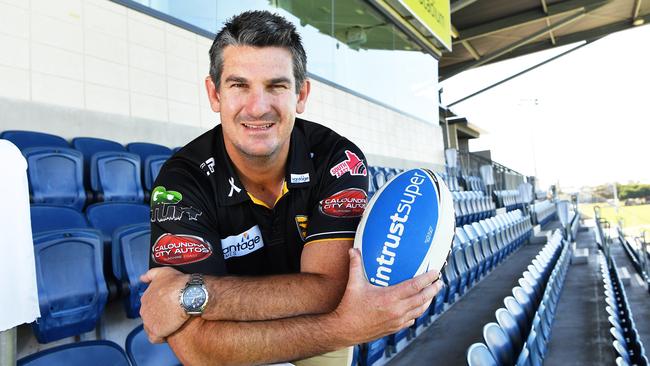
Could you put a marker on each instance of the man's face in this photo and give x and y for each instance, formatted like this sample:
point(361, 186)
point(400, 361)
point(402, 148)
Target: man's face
point(257, 100)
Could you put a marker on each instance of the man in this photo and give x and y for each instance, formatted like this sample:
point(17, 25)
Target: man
point(254, 206)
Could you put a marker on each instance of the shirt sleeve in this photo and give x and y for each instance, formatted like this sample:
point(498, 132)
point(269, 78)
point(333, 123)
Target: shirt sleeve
point(184, 232)
point(342, 196)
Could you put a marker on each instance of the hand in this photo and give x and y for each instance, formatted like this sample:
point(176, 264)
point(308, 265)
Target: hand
point(161, 311)
point(368, 312)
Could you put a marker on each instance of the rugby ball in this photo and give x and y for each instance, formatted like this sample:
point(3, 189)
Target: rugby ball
point(407, 228)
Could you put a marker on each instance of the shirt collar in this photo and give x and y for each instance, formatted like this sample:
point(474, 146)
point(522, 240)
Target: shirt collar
point(299, 174)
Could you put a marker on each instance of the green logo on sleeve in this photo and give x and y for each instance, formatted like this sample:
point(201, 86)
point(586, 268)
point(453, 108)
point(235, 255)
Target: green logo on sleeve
point(160, 195)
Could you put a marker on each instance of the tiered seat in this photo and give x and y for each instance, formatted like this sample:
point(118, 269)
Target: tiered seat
point(51, 217)
point(130, 252)
point(88, 146)
point(109, 216)
point(522, 331)
point(96, 353)
point(71, 287)
point(115, 176)
point(56, 176)
point(544, 212)
point(474, 183)
point(471, 206)
point(141, 352)
point(625, 336)
point(152, 166)
point(510, 199)
point(26, 139)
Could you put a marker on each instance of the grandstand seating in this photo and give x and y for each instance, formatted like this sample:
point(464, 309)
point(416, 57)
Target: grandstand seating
point(71, 287)
point(626, 341)
point(52, 217)
point(115, 176)
point(522, 330)
point(543, 212)
point(56, 176)
point(145, 149)
point(91, 145)
point(152, 166)
point(108, 216)
point(141, 352)
point(27, 139)
point(96, 353)
point(510, 199)
point(130, 252)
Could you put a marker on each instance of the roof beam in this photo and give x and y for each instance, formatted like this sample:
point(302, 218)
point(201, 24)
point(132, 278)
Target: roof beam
point(505, 50)
point(459, 4)
point(521, 19)
point(548, 21)
point(588, 35)
point(637, 8)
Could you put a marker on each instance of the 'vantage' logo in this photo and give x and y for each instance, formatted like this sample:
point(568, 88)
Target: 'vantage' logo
point(242, 244)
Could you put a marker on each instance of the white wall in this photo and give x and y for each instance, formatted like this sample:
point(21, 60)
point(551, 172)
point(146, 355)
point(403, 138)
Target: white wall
point(95, 68)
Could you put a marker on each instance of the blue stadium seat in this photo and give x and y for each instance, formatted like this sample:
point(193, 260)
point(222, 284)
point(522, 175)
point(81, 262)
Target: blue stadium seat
point(115, 176)
point(144, 149)
point(27, 139)
point(373, 351)
point(479, 355)
point(91, 145)
point(108, 216)
point(499, 344)
point(509, 325)
point(51, 217)
point(518, 313)
point(56, 176)
point(130, 251)
point(72, 291)
point(152, 165)
point(96, 353)
point(141, 352)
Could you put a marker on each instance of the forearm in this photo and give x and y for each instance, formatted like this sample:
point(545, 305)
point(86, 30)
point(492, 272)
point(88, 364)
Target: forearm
point(272, 297)
point(202, 342)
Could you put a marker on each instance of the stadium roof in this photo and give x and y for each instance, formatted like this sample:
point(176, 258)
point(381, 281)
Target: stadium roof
point(484, 31)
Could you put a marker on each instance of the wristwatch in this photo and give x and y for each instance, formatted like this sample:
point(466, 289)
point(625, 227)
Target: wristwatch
point(194, 297)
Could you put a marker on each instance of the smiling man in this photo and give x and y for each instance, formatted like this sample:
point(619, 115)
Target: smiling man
point(253, 222)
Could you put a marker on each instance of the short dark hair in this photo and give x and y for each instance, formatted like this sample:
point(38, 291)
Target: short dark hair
point(259, 29)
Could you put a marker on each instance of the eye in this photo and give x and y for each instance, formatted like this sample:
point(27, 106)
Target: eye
point(238, 85)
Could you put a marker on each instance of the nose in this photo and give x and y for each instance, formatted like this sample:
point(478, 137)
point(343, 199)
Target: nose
point(258, 103)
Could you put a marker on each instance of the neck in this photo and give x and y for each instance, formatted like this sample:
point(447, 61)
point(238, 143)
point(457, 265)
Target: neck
point(261, 176)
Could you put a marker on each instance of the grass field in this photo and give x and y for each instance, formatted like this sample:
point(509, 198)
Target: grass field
point(635, 218)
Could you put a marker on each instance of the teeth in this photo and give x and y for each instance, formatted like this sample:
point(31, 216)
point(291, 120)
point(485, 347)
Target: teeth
point(263, 127)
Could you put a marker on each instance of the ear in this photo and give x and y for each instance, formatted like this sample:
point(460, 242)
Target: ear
point(302, 96)
point(213, 94)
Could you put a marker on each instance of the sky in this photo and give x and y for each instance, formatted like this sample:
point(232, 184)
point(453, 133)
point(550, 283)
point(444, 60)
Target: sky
point(580, 120)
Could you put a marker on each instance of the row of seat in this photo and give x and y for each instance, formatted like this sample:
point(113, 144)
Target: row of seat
point(472, 206)
point(635, 253)
point(510, 199)
point(478, 248)
point(627, 345)
point(543, 212)
point(88, 170)
point(138, 351)
point(378, 176)
point(474, 183)
point(522, 331)
point(451, 180)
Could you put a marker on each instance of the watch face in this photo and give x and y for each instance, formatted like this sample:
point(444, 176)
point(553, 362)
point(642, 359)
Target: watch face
point(193, 298)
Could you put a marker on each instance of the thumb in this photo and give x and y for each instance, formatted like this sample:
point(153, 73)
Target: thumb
point(149, 275)
point(357, 272)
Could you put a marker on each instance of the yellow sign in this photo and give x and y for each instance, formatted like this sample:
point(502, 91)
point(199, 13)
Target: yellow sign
point(435, 15)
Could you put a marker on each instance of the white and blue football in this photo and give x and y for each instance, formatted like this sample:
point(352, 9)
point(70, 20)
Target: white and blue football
point(407, 228)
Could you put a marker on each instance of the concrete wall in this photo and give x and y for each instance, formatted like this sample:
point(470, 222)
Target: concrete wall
point(95, 68)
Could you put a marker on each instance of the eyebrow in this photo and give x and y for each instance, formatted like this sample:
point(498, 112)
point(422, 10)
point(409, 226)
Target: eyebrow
point(235, 79)
point(280, 80)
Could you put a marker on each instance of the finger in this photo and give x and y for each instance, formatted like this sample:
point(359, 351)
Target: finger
point(411, 287)
point(356, 268)
point(148, 276)
point(422, 297)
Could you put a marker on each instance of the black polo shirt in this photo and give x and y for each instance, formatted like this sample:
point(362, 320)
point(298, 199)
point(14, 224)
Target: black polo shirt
point(204, 221)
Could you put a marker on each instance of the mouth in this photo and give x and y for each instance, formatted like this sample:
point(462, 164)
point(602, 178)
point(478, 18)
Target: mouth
point(258, 127)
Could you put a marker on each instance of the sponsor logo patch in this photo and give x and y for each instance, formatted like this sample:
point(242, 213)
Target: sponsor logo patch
point(174, 250)
point(242, 244)
point(300, 178)
point(208, 166)
point(352, 165)
point(349, 202)
point(165, 206)
point(301, 224)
